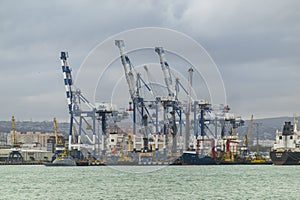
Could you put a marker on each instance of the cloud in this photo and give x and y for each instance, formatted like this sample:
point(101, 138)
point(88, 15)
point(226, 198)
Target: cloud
point(255, 45)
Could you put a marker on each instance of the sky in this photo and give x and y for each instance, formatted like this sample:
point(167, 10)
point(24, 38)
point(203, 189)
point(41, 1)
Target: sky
point(254, 44)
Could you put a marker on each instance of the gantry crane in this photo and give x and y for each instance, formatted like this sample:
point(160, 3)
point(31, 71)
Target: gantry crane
point(175, 113)
point(130, 79)
point(77, 114)
point(170, 103)
point(134, 82)
point(68, 86)
point(83, 114)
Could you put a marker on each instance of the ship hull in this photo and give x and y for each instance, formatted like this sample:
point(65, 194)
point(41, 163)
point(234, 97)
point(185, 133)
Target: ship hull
point(65, 161)
point(285, 158)
point(196, 159)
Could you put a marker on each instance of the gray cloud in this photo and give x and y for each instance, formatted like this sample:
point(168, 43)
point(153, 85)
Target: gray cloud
point(255, 45)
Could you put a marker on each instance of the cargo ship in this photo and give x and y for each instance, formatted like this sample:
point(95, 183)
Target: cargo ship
point(119, 158)
point(286, 149)
point(203, 155)
point(192, 158)
point(228, 151)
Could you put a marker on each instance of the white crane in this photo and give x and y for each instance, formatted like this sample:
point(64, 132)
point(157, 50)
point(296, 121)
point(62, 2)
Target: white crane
point(166, 70)
point(129, 75)
point(74, 99)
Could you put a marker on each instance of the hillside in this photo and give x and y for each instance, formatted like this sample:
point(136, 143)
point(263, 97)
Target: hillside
point(266, 129)
point(25, 126)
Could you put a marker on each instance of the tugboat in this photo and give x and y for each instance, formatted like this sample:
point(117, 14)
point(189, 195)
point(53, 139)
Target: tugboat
point(63, 160)
point(286, 149)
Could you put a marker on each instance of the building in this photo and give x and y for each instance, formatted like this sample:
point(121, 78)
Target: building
point(264, 143)
point(31, 139)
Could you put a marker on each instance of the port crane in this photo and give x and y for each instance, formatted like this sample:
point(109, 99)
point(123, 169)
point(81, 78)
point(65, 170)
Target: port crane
point(59, 146)
point(245, 147)
point(13, 128)
point(166, 70)
point(188, 110)
point(140, 110)
point(172, 108)
point(153, 92)
point(170, 103)
point(128, 68)
point(58, 141)
point(179, 110)
point(201, 108)
point(14, 155)
point(84, 115)
point(78, 114)
point(130, 79)
point(68, 86)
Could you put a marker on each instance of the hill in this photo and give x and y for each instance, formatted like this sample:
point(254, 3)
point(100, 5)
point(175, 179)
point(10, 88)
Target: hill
point(265, 129)
point(25, 126)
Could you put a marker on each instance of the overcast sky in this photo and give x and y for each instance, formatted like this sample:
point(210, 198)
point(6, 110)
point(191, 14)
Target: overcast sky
point(255, 44)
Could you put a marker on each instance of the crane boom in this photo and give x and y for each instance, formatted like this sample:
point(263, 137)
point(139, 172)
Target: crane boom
point(13, 128)
point(247, 137)
point(68, 87)
point(166, 70)
point(153, 92)
point(127, 67)
point(55, 130)
point(67, 78)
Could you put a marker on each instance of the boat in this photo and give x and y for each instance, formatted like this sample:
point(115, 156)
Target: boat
point(120, 158)
point(200, 156)
point(63, 160)
point(193, 158)
point(227, 152)
point(258, 159)
point(286, 149)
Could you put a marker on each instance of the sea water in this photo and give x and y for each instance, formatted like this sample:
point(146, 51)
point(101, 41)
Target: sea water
point(150, 182)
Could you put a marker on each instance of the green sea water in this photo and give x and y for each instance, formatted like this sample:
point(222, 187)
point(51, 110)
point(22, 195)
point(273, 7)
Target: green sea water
point(150, 182)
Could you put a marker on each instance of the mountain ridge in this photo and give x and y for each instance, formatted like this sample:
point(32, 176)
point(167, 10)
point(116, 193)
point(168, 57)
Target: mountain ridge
point(266, 127)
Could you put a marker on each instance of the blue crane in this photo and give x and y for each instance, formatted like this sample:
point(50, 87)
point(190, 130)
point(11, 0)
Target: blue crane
point(77, 114)
point(135, 82)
